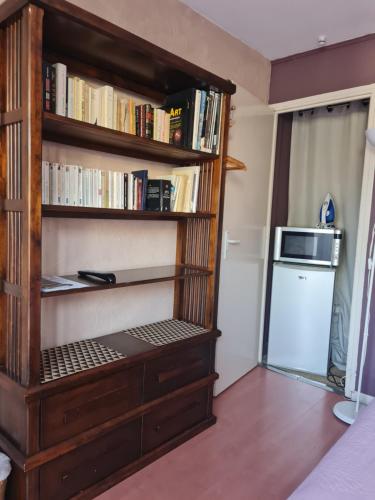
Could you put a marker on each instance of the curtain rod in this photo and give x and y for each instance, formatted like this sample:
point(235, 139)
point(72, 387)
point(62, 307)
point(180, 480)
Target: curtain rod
point(330, 107)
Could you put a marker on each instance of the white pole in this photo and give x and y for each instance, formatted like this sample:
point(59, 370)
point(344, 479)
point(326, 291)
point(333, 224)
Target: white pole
point(367, 317)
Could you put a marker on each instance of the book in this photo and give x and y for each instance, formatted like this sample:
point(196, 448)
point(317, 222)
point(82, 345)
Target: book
point(60, 88)
point(125, 191)
point(45, 183)
point(49, 88)
point(184, 99)
point(201, 118)
point(177, 122)
point(69, 98)
point(149, 119)
point(197, 107)
point(106, 94)
point(158, 195)
point(140, 178)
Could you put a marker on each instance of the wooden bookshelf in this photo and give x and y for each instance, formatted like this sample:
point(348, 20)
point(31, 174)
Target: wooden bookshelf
point(152, 398)
point(70, 212)
point(77, 133)
point(133, 277)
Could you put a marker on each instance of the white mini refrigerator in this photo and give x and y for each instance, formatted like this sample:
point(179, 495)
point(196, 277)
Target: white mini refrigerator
point(300, 320)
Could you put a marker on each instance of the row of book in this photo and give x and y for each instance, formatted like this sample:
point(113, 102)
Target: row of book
point(190, 118)
point(74, 185)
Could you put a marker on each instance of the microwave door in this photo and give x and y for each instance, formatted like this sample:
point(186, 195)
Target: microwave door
point(305, 248)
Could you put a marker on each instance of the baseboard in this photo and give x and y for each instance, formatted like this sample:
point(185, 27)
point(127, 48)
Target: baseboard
point(364, 398)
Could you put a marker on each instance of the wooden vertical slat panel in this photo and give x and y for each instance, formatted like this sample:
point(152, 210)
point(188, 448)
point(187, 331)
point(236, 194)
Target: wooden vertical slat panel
point(216, 196)
point(180, 259)
point(31, 91)
point(3, 188)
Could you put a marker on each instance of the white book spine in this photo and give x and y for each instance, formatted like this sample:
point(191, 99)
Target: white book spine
point(115, 190)
point(60, 89)
point(110, 189)
point(122, 196)
point(80, 186)
point(85, 184)
point(119, 189)
point(130, 191)
point(89, 187)
point(100, 192)
point(197, 107)
point(70, 104)
point(66, 185)
point(114, 112)
point(60, 178)
point(45, 182)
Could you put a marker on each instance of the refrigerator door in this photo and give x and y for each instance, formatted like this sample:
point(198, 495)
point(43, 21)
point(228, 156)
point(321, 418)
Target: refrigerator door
point(300, 322)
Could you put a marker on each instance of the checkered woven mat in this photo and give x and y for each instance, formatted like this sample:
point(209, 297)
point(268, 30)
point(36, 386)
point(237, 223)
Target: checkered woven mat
point(165, 332)
point(68, 359)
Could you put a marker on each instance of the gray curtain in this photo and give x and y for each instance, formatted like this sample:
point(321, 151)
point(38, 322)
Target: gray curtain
point(327, 154)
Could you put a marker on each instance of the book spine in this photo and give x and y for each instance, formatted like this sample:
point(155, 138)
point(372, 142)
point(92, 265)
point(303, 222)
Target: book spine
point(130, 191)
point(153, 196)
point(165, 196)
point(148, 121)
point(60, 89)
point(59, 185)
point(125, 191)
point(47, 101)
point(80, 186)
point(45, 182)
point(137, 121)
point(197, 107)
point(66, 198)
point(201, 118)
point(70, 102)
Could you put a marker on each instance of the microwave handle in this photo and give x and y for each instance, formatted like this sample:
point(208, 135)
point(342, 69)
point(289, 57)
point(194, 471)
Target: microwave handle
point(277, 244)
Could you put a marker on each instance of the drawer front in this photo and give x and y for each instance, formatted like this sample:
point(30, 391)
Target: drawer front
point(71, 412)
point(174, 417)
point(65, 476)
point(167, 373)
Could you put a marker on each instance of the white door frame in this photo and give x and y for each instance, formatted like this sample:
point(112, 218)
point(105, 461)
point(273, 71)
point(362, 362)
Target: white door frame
point(353, 94)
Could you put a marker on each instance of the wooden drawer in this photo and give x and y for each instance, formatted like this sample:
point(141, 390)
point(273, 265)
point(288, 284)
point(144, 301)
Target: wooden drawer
point(167, 373)
point(65, 476)
point(174, 417)
point(71, 412)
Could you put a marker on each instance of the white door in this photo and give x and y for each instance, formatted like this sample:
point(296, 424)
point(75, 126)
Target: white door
point(245, 216)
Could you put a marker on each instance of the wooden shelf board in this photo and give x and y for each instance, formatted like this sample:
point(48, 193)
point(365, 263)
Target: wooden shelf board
point(64, 130)
point(70, 30)
point(133, 277)
point(112, 213)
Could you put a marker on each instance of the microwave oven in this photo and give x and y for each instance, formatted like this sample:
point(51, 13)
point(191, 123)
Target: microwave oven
point(304, 245)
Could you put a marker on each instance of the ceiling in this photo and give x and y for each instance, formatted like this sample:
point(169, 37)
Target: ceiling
point(278, 28)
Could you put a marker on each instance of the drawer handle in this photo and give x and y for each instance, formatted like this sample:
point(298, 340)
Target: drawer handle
point(157, 428)
point(64, 477)
point(167, 375)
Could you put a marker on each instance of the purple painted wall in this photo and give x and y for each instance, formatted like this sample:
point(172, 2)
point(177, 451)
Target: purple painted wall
point(336, 67)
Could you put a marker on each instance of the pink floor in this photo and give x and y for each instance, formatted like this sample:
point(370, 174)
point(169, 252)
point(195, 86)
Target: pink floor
point(271, 432)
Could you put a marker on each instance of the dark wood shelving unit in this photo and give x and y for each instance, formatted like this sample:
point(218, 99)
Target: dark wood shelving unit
point(71, 212)
point(133, 277)
point(151, 398)
point(81, 134)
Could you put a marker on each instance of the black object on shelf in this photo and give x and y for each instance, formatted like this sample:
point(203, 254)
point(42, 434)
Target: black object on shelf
point(97, 276)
